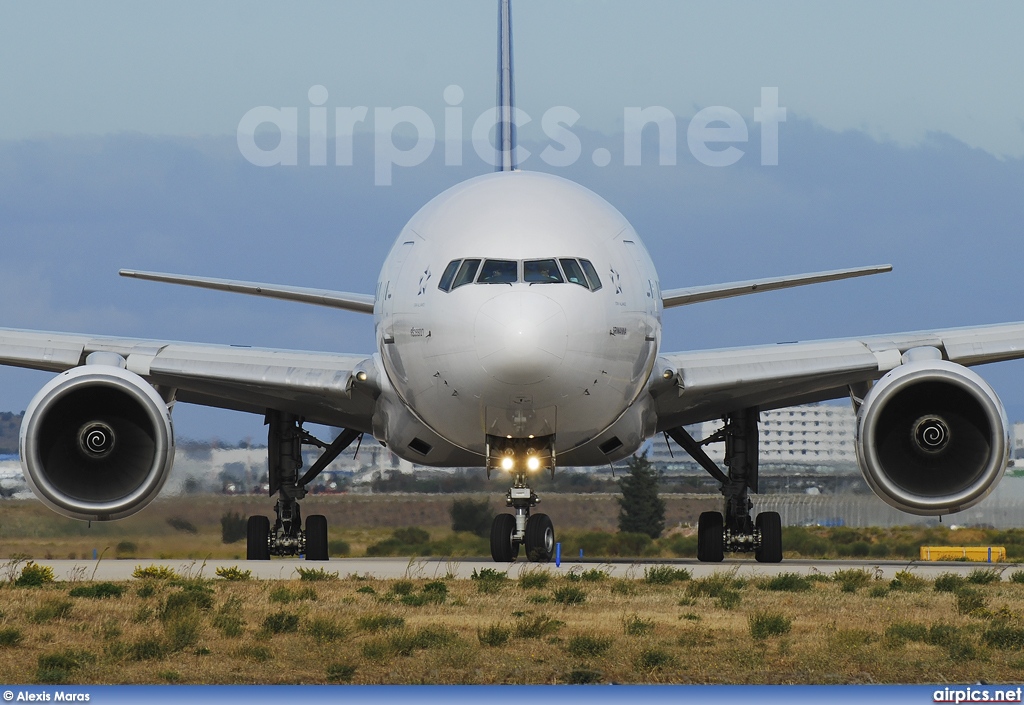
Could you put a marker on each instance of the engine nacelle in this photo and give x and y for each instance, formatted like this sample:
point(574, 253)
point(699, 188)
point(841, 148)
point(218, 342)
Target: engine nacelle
point(932, 438)
point(97, 443)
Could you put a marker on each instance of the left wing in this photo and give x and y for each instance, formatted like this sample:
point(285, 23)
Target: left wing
point(704, 385)
point(326, 388)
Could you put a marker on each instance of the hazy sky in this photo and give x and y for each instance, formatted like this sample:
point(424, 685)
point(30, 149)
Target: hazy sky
point(895, 70)
point(904, 143)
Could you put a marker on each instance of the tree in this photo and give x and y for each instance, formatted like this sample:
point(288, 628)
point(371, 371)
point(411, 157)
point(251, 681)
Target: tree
point(641, 510)
point(472, 516)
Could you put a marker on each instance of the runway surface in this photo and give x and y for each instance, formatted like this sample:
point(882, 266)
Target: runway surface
point(431, 568)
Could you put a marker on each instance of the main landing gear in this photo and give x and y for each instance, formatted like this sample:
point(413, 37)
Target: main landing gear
point(734, 531)
point(509, 532)
point(287, 537)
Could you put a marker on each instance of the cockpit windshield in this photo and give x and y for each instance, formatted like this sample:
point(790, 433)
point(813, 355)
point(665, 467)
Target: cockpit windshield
point(506, 271)
point(541, 271)
point(499, 271)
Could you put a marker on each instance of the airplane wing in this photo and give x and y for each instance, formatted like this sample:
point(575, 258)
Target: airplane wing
point(704, 385)
point(326, 388)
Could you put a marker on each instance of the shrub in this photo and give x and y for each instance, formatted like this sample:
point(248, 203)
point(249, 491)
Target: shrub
point(569, 595)
point(280, 623)
point(583, 676)
point(183, 631)
point(969, 601)
point(488, 580)
point(665, 575)
point(147, 648)
point(594, 575)
point(949, 582)
point(537, 627)
point(729, 599)
point(493, 635)
point(1017, 576)
point(33, 575)
point(765, 624)
point(254, 652)
point(10, 636)
point(55, 668)
point(233, 573)
point(54, 608)
point(905, 581)
point(586, 646)
point(652, 659)
point(634, 625)
point(878, 591)
point(984, 576)
point(337, 547)
point(1004, 636)
point(315, 574)
point(786, 582)
point(340, 673)
point(538, 579)
point(324, 629)
point(154, 572)
point(286, 596)
point(125, 549)
point(190, 599)
point(402, 587)
point(367, 590)
point(97, 590)
point(472, 516)
point(233, 527)
point(623, 586)
point(713, 585)
point(851, 580)
point(179, 524)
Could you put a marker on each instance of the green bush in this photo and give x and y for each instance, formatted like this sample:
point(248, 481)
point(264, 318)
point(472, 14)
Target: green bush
point(190, 599)
point(337, 547)
point(949, 582)
point(984, 576)
point(583, 676)
point(324, 629)
point(51, 609)
point(569, 595)
point(786, 582)
point(472, 516)
point(33, 575)
point(57, 667)
point(154, 572)
point(652, 659)
point(729, 599)
point(493, 635)
point(905, 581)
point(286, 596)
point(587, 646)
point(1017, 576)
point(767, 624)
point(379, 622)
point(899, 633)
point(665, 575)
point(713, 585)
point(852, 580)
point(10, 636)
point(538, 579)
point(594, 575)
point(488, 580)
point(280, 623)
point(536, 627)
point(315, 574)
point(233, 573)
point(125, 549)
point(233, 527)
point(634, 625)
point(1004, 636)
point(878, 591)
point(969, 601)
point(97, 590)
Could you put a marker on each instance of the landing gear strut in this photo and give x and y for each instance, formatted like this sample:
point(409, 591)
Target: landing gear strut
point(509, 532)
point(736, 531)
point(286, 437)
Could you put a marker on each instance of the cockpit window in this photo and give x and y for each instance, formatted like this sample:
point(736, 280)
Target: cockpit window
point(573, 272)
point(595, 281)
point(499, 271)
point(466, 272)
point(449, 274)
point(541, 271)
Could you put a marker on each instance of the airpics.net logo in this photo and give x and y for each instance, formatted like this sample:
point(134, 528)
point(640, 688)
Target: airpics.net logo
point(712, 135)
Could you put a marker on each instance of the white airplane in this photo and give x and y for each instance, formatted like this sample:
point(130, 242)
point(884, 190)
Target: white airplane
point(518, 327)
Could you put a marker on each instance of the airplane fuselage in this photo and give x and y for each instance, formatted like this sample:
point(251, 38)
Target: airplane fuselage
point(517, 305)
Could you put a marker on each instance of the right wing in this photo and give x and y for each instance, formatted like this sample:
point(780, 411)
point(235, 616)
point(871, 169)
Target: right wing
point(327, 388)
point(705, 385)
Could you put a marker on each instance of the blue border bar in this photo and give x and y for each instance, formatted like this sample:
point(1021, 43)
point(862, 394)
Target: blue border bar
point(514, 695)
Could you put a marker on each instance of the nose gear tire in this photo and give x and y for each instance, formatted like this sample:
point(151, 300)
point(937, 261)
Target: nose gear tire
point(540, 538)
point(503, 548)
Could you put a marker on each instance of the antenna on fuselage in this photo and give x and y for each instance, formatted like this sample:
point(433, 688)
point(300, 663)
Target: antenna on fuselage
point(506, 91)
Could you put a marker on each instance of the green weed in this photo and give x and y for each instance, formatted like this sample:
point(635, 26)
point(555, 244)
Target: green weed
point(767, 624)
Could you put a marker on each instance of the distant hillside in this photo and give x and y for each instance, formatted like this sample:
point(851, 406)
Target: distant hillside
point(10, 424)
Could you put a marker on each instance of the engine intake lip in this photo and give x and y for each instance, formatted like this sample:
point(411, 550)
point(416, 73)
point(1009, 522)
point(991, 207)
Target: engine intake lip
point(910, 494)
point(61, 493)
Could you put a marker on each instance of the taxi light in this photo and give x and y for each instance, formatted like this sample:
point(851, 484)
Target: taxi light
point(533, 463)
point(507, 463)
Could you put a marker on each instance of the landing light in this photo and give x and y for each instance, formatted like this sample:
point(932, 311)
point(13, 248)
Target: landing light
point(507, 463)
point(533, 463)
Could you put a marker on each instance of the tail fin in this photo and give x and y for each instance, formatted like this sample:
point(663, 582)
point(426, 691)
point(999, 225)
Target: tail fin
point(506, 91)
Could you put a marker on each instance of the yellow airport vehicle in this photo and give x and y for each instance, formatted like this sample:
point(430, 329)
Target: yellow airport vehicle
point(981, 554)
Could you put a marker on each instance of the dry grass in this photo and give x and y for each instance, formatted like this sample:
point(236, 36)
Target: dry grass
point(246, 633)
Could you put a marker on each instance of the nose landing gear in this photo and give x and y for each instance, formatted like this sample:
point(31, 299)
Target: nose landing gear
point(509, 532)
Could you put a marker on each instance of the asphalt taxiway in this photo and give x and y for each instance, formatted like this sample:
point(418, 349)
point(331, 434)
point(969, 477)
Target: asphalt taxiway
point(432, 568)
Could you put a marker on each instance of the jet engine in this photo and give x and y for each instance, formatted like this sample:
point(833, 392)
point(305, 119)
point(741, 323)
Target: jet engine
point(932, 437)
point(97, 442)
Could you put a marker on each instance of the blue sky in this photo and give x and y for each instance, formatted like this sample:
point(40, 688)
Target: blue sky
point(903, 143)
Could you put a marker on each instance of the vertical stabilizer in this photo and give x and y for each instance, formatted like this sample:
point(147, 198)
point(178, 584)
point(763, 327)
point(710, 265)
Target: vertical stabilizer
point(506, 91)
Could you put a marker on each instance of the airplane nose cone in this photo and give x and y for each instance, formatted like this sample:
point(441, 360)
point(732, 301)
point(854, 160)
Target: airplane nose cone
point(521, 337)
